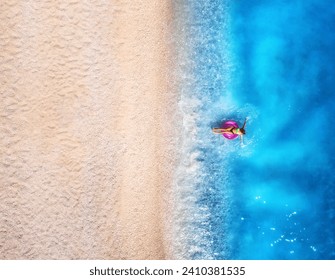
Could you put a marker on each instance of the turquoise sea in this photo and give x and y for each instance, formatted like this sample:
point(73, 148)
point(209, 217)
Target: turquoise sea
point(272, 196)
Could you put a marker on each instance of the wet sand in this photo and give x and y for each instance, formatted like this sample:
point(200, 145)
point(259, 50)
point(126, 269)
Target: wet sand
point(87, 116)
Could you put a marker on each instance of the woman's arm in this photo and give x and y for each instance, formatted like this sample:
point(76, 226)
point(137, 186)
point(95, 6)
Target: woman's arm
point(245, 122)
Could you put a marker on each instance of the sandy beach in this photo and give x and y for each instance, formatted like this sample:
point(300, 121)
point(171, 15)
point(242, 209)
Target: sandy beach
point(87, 114)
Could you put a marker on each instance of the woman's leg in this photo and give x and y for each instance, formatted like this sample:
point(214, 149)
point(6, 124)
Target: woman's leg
point(218, 130)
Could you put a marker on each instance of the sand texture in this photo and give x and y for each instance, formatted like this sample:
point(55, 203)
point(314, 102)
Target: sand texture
point(86, 129)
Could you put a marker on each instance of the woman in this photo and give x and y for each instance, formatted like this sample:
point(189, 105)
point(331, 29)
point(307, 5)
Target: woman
point(231, 130)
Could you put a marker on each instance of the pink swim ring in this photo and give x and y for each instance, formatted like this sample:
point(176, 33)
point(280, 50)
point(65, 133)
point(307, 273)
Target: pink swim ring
point(228, 124)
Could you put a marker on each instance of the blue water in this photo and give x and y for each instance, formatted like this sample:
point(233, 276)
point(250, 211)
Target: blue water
point(272, 196)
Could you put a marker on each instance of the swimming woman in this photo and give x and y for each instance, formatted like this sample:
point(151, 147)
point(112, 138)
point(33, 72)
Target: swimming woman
point(231, 130)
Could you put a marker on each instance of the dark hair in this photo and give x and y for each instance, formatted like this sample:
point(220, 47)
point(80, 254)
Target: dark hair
point(242, 130)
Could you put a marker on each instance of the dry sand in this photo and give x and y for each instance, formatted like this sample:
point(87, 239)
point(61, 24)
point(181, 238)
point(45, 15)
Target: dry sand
point(86, 129)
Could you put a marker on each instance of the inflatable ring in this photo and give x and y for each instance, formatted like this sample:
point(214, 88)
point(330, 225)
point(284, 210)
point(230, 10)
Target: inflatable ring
point(228, 124)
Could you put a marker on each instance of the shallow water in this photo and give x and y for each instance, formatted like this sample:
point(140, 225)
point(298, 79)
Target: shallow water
point(271, 197)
